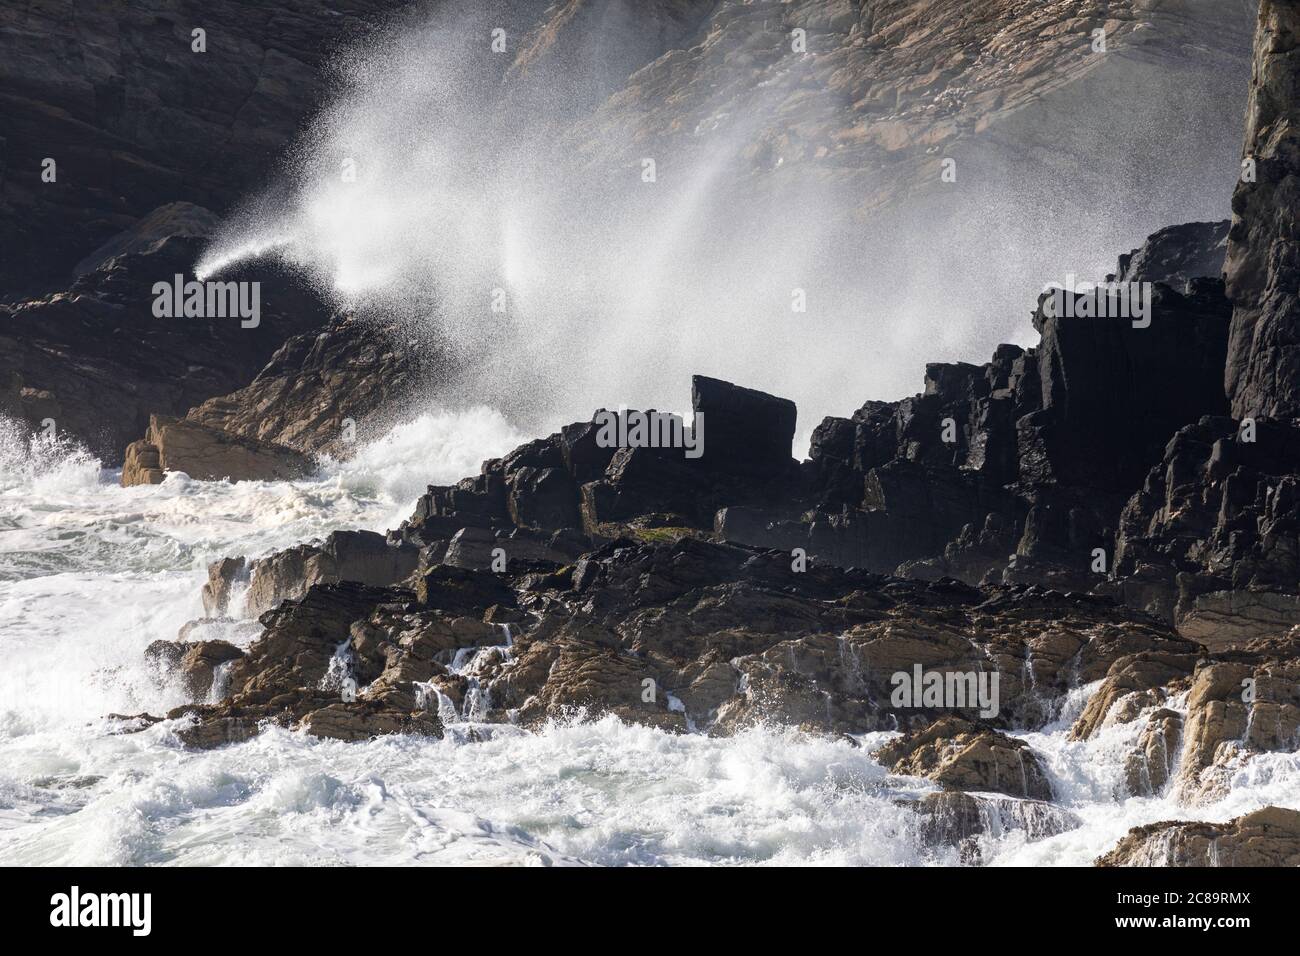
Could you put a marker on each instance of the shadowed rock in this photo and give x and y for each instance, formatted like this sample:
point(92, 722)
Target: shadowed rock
point(1263, 266)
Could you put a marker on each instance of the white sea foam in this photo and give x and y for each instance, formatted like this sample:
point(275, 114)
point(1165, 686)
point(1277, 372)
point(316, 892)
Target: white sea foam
point(91, 573)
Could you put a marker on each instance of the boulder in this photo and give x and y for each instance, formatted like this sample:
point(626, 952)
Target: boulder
point(1268, 837)
point(1150, 767)
point(745, 431)
point(960, 755)
point(208, 454)
point(199, 664)
point(1246, 703)
point(1132, 683)
point(364, 557)
point(322, 390)
point(962, 820)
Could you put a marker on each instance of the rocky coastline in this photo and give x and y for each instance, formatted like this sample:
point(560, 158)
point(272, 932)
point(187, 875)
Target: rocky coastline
point(1115, 509)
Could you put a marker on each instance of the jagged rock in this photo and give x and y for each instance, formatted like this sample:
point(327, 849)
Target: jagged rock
point(360, 556)
point(1247, 702)
point(1221, 513)
point(1115, 392)
point(1267, 837)
point(142, 464)
point(111, 93)
point(173, 219)
point(199, 664)
point(960, 755)
point(569, 483)
point(954, 818)
point(293, 676)
point(1177, 256)
point(1132, 683)
point(1151, 766)
point(583, 677)
point(195, 662)
point(462, 589)
point(1263, 266)
point(222, 576)
point(321, 389)
point(96, 360)
point(207, 454)
point(681, 634)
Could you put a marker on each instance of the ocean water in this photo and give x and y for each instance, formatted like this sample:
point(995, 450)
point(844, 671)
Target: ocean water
point(91, 573)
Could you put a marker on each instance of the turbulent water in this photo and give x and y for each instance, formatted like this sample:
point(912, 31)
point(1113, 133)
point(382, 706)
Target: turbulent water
point(615, 295)
point(91, 573)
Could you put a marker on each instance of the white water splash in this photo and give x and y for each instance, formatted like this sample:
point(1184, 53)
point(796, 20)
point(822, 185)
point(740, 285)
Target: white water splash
point(616, 290)
point(91, 573)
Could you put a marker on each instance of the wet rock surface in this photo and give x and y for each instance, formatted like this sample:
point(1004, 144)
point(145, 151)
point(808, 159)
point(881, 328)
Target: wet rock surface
point(1082, 519)
point(702, 636)
point(1267, 837)
point(208, 454)
point(961, 755)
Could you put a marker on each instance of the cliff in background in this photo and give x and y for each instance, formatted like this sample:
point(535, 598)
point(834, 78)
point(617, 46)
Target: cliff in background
point(136, 119)
point(1263, 268)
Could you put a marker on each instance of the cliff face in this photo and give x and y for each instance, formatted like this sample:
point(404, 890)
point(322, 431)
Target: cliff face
point(878, 93)
point(96, 361)
point(1263, 266)
point(134, 118)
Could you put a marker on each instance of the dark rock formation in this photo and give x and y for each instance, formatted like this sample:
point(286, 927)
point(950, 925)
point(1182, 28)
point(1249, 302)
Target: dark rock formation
point(1177, 256)
point(287, 677)
point(744, 431)
point(966, 821)
point(99, 363)
point(321, 388)
point(1263, 266)
point(222, 576)
point(1113, 391)
point(195, 662)
point(1212, 540)
point(134, 118)
point(1017, 470)
point(1014, 471)
point(692, 634)
point(359, 556)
